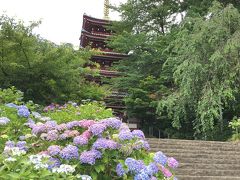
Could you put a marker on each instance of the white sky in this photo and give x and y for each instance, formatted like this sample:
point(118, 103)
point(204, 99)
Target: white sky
point(61, 19)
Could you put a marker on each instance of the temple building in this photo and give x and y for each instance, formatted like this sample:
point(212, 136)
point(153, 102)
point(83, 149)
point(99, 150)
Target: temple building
point(95, 33)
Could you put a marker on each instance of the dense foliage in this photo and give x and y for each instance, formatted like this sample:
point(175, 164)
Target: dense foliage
point(44, 71)
point(182, 74)
point(35, 146)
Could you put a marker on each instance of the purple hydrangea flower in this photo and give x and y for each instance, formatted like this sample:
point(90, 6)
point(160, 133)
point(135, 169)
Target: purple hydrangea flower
point(23, 111)
point(73, 133)
point(112, 122)
point(97, 129)
point(86, 123)
point(86, 134)
point(30, 123)
point(52, 135)
point(73, 124)
point(173, 163)
point(63, 136)
point(37, 129)
point(4, 120)
point(152, 169)
point(138, 133)
point(10, 144)
point(80, 140)
point(50, 125)
point(53, 162)
point(160, 158)
point(125, 135)
point(124, 127)
point(154, 178)
point(89, 157)
point(133, 165)
point(119, 169)
point(61, 127)
point(146, 145)
point(22, 145)
point(103, 143)
point(54, 150)
point(69, 152)
point(141, 144)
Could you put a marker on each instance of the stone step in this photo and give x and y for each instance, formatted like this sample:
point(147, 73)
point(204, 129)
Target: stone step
point(205, 160)
point(193, 143)
point(201, 160)
point(186, 177)
point(208, 166)
point(203, 156)
point(179, 141)
point(193, 147)
point(195, 151)
point(207, 172)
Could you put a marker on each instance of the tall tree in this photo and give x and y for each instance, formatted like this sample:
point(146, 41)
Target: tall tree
point(205, 63)
point(155, 33)
point(44, 71)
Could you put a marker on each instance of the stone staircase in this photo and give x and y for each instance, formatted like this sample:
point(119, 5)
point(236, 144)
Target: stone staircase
point(201, 160)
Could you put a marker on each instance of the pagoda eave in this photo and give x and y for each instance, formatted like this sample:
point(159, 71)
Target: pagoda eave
point(96, 20)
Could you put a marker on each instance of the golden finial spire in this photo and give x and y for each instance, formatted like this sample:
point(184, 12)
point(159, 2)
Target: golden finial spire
point(106, 9)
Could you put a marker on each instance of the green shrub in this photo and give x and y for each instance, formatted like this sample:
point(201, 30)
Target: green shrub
point(69, 112)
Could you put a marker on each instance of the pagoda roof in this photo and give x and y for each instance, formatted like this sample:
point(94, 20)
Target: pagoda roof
point(95, 35)
point(110, 56)
point(96, 20)
point(107, 73)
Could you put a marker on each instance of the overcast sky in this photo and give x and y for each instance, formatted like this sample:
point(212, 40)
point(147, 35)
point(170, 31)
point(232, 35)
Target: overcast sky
point(61, 19)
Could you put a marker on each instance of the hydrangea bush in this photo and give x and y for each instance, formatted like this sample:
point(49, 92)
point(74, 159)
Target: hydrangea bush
point(36, 145)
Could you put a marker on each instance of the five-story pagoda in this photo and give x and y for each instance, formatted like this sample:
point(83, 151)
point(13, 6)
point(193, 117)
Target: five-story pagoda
point(94, 34)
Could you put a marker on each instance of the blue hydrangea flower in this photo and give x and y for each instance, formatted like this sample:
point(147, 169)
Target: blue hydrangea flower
point(23, 111)
point(69, 152)
point(141, 176)
point(114, 123)
point(134, 166)
point(54, 150)
point(103, 143)
point(22, 145)
point(151, 169)
point(89, 157)
point(4, 120)
point(80, 140)
point(53, 162)
point(125, 135)
point(160, 158)
point(120, 171)
point(138, 133)
point(97, 129)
